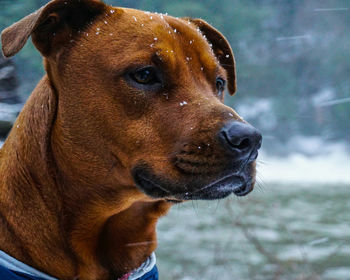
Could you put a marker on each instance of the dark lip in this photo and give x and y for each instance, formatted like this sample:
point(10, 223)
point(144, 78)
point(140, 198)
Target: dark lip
point(221, 188)
point(150, 187)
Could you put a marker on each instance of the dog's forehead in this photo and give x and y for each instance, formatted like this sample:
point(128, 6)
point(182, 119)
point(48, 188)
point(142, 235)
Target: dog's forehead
point(167, 37)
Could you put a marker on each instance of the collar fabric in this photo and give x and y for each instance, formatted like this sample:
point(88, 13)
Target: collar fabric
point(12, 269)
point(151, 275)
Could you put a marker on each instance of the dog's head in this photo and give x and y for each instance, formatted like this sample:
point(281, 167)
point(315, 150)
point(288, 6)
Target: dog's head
point(140, 100)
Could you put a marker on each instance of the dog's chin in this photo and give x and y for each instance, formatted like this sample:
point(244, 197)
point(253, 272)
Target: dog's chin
point(239, 184)
point(236, 184)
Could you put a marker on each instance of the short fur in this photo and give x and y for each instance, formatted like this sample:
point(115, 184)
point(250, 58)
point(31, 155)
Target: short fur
point(68, 203)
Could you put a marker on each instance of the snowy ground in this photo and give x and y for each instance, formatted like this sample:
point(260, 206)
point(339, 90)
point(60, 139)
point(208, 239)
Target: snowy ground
point(280, 231)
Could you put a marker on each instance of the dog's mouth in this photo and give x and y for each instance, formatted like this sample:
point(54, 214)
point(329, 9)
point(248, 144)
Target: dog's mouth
point(193, 189)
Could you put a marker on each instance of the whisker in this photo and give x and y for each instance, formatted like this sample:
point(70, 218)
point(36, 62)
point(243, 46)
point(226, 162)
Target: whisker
point(262, 162)
point(145, 243)
point(227, 65)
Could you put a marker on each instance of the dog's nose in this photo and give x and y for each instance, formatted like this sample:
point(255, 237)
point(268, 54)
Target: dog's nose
point(241, 139)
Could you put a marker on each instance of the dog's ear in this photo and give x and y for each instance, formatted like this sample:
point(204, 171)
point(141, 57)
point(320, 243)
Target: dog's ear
point(222, 50)
point(50, 26)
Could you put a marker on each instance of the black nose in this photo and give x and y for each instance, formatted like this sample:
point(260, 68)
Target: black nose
point(241, 139)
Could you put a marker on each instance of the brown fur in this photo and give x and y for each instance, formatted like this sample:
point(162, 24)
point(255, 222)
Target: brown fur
point(68, 203)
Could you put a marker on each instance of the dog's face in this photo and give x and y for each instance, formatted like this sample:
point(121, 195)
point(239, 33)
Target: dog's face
point(140, 103)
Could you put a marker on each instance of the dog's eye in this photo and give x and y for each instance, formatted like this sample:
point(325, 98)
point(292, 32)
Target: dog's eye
point(220, 85)
point(145, 76)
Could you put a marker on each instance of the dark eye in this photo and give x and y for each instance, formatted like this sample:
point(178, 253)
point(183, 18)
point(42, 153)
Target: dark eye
point(145, 76)
point(220, 85)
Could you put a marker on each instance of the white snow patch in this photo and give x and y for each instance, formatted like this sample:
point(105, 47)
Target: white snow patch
point(260, 106)
point(332, 10)
point(332, 167)
point(298, 37)
point(323, 96)
point(8, 112)
point(260, 110)
point(337, 273)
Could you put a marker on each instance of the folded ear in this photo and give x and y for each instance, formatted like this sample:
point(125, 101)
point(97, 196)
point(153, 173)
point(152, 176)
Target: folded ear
point(50, 26)
point(221, 49)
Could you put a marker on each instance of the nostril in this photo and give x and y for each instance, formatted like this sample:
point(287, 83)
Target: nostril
point(237, 143)
point(245, 144)
point(241, 139)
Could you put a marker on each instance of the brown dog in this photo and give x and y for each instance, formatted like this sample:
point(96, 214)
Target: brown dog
point(128, 120)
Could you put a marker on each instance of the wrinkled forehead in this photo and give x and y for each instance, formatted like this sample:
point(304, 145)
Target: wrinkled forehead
point(149, 36)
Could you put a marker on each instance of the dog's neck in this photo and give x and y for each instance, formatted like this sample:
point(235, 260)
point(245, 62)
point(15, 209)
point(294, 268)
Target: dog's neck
point(46, 223)
point(28, 190)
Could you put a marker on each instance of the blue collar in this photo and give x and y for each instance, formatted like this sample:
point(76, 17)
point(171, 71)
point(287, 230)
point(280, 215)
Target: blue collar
point(151, 275)
point(12, 269)
point(147, 271)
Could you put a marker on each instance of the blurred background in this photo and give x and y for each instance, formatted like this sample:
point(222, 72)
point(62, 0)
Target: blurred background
point(293, 68)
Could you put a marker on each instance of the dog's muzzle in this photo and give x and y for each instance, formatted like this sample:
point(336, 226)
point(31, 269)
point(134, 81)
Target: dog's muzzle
point(235, 173)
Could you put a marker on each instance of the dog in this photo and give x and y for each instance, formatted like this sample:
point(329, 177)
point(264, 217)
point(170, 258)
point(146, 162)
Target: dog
point(127, 121)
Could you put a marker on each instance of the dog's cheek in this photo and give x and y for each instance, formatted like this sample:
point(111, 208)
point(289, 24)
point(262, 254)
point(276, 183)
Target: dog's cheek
point(133, 103)
point(136, 105)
